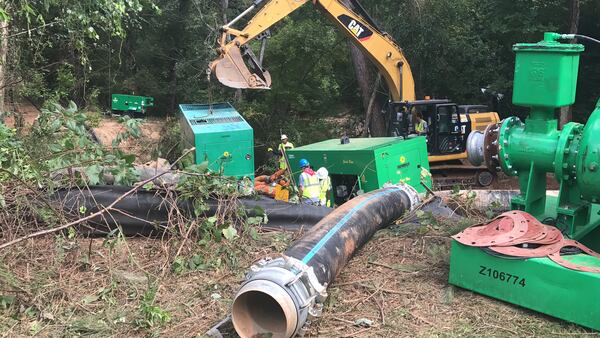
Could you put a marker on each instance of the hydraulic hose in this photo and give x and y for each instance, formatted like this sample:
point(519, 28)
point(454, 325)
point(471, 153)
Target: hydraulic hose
point(583, 37)
point(281, 296)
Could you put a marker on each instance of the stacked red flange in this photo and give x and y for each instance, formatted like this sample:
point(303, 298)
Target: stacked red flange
point(518, 234)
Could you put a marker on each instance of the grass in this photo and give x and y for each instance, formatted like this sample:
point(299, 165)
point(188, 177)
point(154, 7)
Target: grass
point(67, 287)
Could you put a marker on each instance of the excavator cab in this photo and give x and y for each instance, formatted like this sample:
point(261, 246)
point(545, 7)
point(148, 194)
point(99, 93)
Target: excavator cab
point(448, 131)
point(447, 128)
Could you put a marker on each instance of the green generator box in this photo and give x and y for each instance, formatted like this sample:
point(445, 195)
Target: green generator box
point(131, 103)
point(221, 136)
point(366, 164)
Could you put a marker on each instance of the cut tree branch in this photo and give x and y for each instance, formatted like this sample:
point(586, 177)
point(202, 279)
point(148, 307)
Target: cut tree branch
point(98, 213)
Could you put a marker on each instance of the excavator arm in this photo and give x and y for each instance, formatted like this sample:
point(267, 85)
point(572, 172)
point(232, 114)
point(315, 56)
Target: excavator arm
point(237, 67)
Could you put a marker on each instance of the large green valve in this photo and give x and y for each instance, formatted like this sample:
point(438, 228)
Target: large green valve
point(546, 79)
point(533, 150)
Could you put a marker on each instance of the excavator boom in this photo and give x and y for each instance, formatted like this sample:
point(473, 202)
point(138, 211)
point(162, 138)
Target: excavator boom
point(237, 67)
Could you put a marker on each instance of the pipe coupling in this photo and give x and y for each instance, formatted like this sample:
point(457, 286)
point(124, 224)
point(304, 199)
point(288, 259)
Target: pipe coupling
point(279, 296)
point(409, 191)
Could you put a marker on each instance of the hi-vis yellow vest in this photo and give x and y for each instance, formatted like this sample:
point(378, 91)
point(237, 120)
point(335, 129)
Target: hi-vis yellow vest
point(282, 149)
point(325, 186)
point(311, 186)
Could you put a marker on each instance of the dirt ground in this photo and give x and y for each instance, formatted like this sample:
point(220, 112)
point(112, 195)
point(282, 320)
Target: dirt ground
point(27, 114)
point(151, 129)
point(105, 132)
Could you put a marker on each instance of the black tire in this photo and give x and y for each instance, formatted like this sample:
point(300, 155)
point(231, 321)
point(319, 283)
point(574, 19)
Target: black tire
point(485, 178)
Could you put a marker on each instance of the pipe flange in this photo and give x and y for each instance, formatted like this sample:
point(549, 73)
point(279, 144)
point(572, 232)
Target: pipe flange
point(503, 143)
point(565, 158)
point(490, 147)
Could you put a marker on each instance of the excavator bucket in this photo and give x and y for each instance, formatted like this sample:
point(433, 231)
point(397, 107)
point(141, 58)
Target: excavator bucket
point(232, 71)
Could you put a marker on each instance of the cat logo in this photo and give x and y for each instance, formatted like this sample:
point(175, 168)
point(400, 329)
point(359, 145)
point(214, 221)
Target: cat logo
point(359, 30)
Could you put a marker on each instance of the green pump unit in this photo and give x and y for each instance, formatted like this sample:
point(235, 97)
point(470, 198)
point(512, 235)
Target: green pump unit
point(358, 165)
point(223, 139)
point(130, 103)
point(545, 79)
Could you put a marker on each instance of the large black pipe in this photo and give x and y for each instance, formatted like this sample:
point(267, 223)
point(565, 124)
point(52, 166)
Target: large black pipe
point(280, 296)
point(145, 212)
point(329, 245)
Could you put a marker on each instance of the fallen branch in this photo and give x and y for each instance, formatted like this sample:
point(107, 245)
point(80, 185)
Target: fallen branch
point(98, 213)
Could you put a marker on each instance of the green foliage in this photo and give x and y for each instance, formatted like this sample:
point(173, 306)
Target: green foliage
point(170, 145)
point(68, 144)
point(132, 130)
point(310, 66)
point(151, 315)
point(46, 30)
point(201, 185)
point(15, 161)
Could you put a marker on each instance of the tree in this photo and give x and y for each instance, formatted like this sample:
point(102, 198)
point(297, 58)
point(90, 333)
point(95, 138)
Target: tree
point(364, 72)
point(3, 52)
point(54, 42)
point(566, 113)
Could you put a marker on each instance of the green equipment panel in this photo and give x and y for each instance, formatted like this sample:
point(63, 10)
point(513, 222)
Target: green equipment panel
point(131, 103)
point(366, 164)
point(221, 136)
point(536, 283)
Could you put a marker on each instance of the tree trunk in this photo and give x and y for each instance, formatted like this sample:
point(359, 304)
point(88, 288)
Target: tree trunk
point(225, 6)
point(566, 113)
point(3, 53)
point(372, 100)
point(374, 122)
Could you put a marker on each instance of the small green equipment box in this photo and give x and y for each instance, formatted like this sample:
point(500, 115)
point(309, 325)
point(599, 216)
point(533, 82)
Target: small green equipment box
point(131, 103)
point(221, 136)
point(366, 164)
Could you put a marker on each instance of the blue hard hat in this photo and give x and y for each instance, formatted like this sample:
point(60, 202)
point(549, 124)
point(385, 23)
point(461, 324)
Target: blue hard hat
point(304, 163)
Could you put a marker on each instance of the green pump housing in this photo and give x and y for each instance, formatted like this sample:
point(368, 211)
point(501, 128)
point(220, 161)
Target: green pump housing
point(366, 164)
point(545, 79)
point(131, 103)
point(223, 139)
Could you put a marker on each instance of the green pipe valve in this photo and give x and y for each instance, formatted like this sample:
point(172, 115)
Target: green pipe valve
point(546, 79)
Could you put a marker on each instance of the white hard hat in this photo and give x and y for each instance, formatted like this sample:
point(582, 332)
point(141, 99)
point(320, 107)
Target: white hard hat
point(283, 136)
point(322, 173)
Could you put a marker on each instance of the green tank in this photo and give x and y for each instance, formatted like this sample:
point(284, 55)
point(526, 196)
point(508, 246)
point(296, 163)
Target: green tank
point(223, 139)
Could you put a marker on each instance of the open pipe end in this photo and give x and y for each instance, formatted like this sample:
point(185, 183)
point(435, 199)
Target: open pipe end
point(263, 308)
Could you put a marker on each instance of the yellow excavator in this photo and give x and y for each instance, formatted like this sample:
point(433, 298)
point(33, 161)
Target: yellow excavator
point(448, 123)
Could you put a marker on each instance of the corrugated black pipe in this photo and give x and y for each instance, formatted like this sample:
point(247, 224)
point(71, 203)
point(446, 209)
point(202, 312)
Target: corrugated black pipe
point(280, 296)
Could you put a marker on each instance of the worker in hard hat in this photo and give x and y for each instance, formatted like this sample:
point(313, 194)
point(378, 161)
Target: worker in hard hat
point(325, 186)
point(309, 187)
point(283, 147)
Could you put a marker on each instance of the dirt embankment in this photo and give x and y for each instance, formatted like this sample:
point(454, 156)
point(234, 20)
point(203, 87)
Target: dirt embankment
point(142, 147)
point(25, 115)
